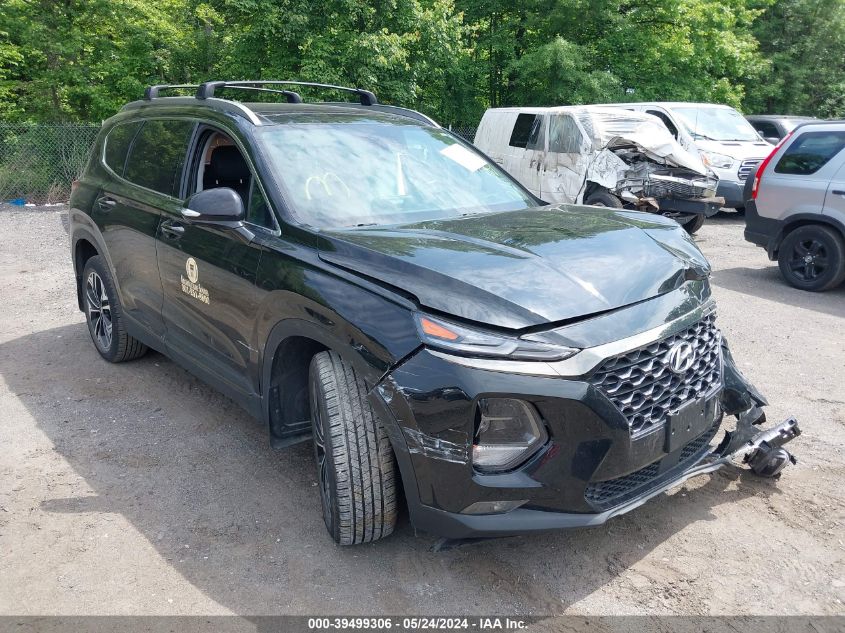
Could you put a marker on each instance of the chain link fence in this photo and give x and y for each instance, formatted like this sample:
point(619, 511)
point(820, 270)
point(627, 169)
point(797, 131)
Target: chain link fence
point(467, 132)
point(38, 162)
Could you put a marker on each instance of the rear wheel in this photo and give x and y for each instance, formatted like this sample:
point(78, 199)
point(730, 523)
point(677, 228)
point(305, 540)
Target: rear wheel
point(812, 258)
point(355, 463)
point(104, 315)
point(603, 199)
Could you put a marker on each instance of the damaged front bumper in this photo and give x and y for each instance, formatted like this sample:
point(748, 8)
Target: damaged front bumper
point(671, 194)
point(593, 466)
point(523, 520)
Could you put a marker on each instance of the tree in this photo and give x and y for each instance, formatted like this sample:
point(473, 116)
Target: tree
point(805, 43)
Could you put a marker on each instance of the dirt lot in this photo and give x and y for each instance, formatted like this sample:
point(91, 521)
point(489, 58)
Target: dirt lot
point(129, 489)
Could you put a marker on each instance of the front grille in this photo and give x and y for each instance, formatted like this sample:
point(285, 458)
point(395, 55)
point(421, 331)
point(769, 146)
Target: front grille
point(747, 168)
point(660, 186)
point(606, 494)
point(645, 390)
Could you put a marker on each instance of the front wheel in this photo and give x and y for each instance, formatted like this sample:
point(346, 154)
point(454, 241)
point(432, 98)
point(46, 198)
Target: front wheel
point(603, 199)
point(812, 258)
point(355, 463)
point(693, 224)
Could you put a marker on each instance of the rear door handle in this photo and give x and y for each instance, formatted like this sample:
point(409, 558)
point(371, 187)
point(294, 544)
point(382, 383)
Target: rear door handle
point(106, 204)
point(838, 192)
point(172, 229)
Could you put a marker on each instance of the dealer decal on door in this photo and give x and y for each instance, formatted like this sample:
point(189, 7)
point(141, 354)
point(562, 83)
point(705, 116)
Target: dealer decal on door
point(190, 286)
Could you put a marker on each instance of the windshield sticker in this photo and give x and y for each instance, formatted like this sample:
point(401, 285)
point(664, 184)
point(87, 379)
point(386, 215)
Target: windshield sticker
point(190, 285)
point(465, 158)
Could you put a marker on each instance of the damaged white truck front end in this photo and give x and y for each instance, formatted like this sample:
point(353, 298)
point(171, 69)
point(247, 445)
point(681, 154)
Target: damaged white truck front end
point(601, 156)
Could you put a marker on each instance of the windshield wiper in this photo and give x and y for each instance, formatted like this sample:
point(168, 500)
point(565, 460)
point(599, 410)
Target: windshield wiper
point(697, 135)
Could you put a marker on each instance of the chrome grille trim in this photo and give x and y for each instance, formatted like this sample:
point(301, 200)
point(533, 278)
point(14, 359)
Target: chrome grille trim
point(643, 388)
point(747, 167)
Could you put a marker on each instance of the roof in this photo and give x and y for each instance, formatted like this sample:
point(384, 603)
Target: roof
point(781, 117)
point(575, 109)
point(672, 104)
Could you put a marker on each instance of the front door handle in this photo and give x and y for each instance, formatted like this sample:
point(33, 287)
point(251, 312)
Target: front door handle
point(172, 229)
point(838, 192)
point(106, 204)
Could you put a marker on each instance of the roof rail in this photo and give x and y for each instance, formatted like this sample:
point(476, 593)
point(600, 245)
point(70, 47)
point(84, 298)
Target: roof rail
point(152, 92)
point(207, 89)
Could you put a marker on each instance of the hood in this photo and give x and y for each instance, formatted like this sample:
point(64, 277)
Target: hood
point(740, 150)
point(614, 128)
point(526, 268)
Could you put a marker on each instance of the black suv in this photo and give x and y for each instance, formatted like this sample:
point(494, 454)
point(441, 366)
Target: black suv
point(355, 275)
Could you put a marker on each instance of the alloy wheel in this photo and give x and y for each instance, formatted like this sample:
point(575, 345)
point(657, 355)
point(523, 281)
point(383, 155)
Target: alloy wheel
point(809, 259)
point(98, 308)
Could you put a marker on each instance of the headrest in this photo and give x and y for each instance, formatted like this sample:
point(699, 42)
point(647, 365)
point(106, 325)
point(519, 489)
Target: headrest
point(228, 164)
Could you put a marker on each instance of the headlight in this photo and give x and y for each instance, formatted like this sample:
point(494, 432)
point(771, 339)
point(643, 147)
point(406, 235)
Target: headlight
point(508, 432)
point(466, 341)
point(719, 161)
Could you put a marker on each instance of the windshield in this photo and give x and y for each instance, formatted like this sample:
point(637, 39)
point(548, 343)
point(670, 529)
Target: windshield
point(364, 171)
point(716, 124)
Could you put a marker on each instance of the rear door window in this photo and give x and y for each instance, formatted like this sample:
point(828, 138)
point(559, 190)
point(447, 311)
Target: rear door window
point(527, 132)
point(118, 142)
point(158, 154)
point(810, 152)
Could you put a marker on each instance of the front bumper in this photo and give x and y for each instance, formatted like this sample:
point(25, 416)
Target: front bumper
point(739, 446)
point(701, 206)
point(731, 191)
point(593, 467)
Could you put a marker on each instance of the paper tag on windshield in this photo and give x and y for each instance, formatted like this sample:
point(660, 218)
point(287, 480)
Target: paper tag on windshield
point(465, 158)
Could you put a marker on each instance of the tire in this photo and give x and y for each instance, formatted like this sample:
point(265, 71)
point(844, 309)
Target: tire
point(812, 258)
point(104, 315)
point(603, 199)
point(356, 468)
point(696, 222)
point(740, 210)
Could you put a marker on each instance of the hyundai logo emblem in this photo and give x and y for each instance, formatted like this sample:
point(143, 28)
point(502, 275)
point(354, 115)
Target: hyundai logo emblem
point(681, 357)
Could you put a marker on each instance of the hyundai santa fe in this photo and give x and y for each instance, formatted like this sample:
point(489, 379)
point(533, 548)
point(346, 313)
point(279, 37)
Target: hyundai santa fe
point(356, 276)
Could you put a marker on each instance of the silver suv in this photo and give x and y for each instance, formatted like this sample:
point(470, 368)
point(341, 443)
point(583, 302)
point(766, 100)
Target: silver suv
point(795, 205)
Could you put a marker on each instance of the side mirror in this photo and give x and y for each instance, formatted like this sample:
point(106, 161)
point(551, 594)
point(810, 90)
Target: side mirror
point(215, 205)
point(774, 140)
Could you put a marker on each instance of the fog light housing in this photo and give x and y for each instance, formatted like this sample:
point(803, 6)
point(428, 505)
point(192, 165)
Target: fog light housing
point(493, 507)
point(508, 432)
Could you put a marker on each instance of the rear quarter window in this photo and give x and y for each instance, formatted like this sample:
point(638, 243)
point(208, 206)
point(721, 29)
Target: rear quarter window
point(810, 152)
point(118, 141)
point(158, 154)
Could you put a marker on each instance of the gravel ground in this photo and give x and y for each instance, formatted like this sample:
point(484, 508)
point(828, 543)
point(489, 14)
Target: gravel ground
point(136, 489)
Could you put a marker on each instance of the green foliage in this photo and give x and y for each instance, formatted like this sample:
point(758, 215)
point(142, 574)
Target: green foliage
point(80, 60)
point(560, 72)
point(805, 43)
